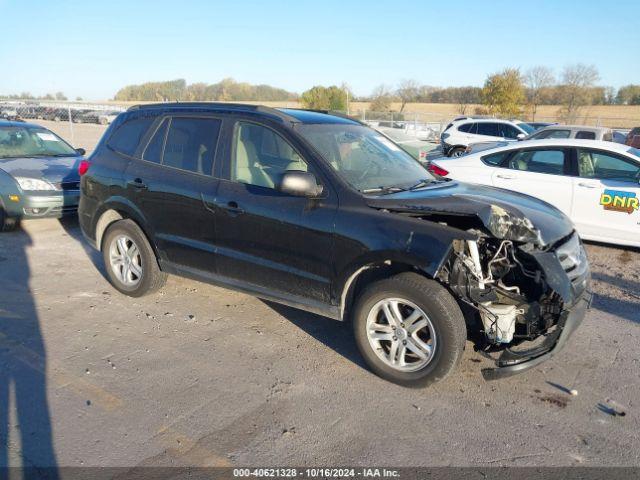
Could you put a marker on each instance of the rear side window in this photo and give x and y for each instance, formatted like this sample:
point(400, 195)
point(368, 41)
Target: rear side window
point(153, 152)
point(496, 159)
point(538, 161)
point(584, 135)
point(128, 135)
point(488, 129)
point(191, 144)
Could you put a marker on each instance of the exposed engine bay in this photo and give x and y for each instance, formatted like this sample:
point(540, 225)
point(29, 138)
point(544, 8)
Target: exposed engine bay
point(505, 286)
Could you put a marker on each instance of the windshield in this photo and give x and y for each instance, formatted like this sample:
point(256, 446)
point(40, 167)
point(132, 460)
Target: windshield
point(634, 151)
point(17, 141)
point(527, 128)
point(364, 158)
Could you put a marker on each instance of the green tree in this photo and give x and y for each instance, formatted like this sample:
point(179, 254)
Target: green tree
point(629, 95)
point(503, 93)
point(325, 98)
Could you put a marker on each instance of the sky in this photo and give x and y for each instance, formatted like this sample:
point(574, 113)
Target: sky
point(92, 48)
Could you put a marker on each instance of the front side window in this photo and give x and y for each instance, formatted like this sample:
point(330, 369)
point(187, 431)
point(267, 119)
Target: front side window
point(191, 144)
point(32, 142)
point(261, 156)
point(604, 166)
point(538, 161)
point(585, 135)
point(507, 131)
point(362, 157)
point(127, 136)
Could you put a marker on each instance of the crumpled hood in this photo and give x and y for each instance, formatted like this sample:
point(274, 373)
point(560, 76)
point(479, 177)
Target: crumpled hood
point(52, 169)
point(506, 214)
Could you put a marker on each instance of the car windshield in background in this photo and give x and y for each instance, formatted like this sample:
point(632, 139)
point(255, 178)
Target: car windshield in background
point(363, 157)
point(527, 128)
point(634, 151)
point(18, 142)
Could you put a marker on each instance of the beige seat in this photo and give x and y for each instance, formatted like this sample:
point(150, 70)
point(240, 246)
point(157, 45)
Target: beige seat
point(247, 164)
point(586, 168)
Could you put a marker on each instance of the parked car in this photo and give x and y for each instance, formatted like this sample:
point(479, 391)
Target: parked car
point(460, 134)
point(539, 125)
point(90, 116)
point(105, 118)
point(38, 174)
point(322, 213)
point(418, 149)
point(8, 112)
point(593, 182)
point(580, 132)
point(633, 138)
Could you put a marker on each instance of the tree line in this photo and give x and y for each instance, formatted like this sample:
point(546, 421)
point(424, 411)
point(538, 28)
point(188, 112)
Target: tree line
point(227, 90)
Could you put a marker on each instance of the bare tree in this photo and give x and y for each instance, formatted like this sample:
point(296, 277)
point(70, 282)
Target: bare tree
point(577, 80)
point(407, 91)
point(536, 79)
point(381, 99)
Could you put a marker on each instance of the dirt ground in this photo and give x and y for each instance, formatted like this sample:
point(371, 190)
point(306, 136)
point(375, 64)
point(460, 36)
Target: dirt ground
point(200, 375)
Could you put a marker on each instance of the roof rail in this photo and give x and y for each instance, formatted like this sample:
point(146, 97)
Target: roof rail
point(230, 107)
point(335, 113)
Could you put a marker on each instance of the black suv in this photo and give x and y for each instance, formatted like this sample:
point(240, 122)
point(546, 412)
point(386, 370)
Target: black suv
point(320, 212)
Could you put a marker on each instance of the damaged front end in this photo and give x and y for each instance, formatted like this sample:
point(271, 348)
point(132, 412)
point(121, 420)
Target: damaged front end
point(528, 299)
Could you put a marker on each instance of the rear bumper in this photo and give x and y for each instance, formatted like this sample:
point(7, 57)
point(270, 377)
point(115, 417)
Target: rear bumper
point(511, 363)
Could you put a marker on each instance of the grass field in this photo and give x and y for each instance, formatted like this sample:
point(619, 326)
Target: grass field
point(614, 116)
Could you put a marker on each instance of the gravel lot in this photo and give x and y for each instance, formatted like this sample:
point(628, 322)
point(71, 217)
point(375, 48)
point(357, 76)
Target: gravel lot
point(199, 375)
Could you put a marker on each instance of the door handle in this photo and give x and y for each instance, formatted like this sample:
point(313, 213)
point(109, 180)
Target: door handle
point(587, 185)
point(504, 176)
point(233, 209)
point(137, 183)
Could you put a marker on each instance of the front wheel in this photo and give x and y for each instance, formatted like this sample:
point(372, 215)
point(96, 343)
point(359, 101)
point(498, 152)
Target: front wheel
point(6, 223)
point(130, 261)
point(409, 330)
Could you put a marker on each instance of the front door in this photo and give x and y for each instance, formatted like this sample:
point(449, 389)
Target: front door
point(270, 239)
point(607, 196)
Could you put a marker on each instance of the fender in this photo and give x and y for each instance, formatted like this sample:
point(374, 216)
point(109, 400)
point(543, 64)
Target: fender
point(126, 209)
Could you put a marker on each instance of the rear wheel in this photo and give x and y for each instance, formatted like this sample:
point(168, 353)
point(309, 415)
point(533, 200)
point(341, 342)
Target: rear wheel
point(409, 330)
point(457, 152)
point(130, 261)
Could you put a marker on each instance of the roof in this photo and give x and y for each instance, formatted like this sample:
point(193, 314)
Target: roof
point(574, 128)
point(13, 123)
point(487, 120)
point(282, 114)
point(564, 142)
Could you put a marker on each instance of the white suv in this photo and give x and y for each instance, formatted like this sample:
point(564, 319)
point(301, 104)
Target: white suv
point(459, 134)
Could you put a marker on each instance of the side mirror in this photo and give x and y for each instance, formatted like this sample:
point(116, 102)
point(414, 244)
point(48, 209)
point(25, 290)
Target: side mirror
point(300, 184)
point(81, 151)
point(521, 136)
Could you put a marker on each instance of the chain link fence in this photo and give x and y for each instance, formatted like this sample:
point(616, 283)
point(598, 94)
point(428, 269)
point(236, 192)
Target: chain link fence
point(82, 123)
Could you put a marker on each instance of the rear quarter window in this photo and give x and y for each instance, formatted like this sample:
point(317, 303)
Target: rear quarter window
point(126, 138)
point(495, 159)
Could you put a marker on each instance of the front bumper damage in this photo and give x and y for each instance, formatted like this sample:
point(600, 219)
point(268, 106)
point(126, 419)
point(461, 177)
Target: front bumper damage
point(511, 362)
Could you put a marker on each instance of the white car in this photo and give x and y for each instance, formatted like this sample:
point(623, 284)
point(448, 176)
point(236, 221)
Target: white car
point(595, 183)
point(461, 133)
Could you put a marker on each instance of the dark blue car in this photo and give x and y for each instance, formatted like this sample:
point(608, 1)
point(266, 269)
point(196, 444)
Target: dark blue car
point(38, 174)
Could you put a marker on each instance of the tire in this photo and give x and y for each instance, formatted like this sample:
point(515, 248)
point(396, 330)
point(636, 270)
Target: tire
point(446, 330)
point(140, 274)
point(457, 152)
point(7, 224)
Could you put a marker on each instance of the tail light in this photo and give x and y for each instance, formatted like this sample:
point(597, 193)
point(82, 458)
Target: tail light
point(83, 167)
point(436, 170)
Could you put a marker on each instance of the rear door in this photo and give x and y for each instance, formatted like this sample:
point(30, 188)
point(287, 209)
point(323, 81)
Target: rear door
point(539, 172)
point(169, 182)
point(606, 192)
point(274, 241)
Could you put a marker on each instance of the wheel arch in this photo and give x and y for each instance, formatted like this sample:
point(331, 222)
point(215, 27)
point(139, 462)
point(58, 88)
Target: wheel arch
point(119, 208)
